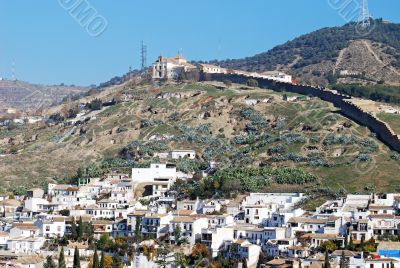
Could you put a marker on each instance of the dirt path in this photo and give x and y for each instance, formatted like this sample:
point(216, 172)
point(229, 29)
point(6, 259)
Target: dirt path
point(368, 46)
point(339, 59)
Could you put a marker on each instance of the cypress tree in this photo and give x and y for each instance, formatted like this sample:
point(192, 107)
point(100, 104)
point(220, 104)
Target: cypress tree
point(342, 263)
point(61, 259)
point(74, 233)
point(80, 228)
point(326, 262)
point(95, 259)
point(102, 260)
point(77, 261)
point(351, 246)
point(49, 263)
point(362, 243)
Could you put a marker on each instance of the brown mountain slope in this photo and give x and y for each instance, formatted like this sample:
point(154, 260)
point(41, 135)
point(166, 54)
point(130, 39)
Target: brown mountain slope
point(314, 56)
point(29, 97)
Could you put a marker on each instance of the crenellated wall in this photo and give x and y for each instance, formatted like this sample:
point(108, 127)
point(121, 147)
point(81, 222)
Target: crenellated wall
point(348, 109)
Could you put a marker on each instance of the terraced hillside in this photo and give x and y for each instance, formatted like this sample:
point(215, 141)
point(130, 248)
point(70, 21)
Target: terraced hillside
point(285, 145)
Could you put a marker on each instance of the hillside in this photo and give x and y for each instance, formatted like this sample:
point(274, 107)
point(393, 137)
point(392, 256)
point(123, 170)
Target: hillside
point(238, 127)
point(315, 57)
point(29, 97)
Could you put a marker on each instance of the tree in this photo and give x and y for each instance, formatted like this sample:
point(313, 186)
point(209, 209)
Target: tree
point(73, 111)
point(49, 263)
point(344, 263)
point(362, 243)
point(180, 260)
point(370, 246)
point(95, 259)
point(327, 264)
point(138, 234)
point(228, 83)
point(102, 260)
point(244, 261)
point(108, 262)
point(351, 245)
point(104, 242)
point(178, 234)
point(116, 261)
point(77, 261)
point(329, 246)
point(200, 251)
point(80, 228)
point(96, 104)
point(64, 212)
point(252, 83)
point(163, 253)
point(61, 259)
point(74, 232)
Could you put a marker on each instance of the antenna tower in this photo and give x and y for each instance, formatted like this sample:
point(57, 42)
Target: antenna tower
point(13, 77)
point(364, 18)
point(144, 56)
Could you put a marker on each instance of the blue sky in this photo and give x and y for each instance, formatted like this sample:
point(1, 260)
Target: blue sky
point(49, 45)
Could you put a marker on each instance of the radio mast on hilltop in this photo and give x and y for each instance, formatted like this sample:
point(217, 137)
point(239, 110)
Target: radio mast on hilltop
point(13, 76)
point(364, 18)
point(144, 56)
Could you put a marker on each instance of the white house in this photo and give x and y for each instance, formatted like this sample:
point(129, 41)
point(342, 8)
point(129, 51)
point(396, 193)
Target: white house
point(177, 154)
point(52, 226)
point(98, 212)
point(159, 176)
point(133, 218)
point(35, 204)
point(212, 69)
point(316, 240)
point(24, 229)
point(102, 227)
point(4, 236)
point(242, 250)
point(214, 238)
point(211, 206)
point(35, 192)
point(155, 225)
point(190, 228)
point(277, 76)
point(23, 244)
point(220, 220)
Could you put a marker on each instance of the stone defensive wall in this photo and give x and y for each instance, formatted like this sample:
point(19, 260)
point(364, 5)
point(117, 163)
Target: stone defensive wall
point(341, 101)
